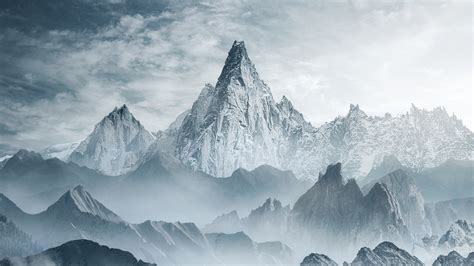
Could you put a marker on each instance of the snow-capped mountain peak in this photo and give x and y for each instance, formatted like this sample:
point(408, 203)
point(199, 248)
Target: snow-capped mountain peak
point(116, 144)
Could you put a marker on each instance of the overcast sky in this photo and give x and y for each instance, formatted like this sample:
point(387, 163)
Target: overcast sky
point(57, 80)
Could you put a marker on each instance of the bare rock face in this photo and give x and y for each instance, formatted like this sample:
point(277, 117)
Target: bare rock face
point(386, 253)
point(115, 146)
point(403, 187)
point(337, 211)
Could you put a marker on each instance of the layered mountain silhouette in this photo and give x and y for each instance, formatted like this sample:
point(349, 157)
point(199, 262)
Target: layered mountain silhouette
point(32, 180)
point(77, 215)
point(238, 124)
point(78, 252)
point(334, 211)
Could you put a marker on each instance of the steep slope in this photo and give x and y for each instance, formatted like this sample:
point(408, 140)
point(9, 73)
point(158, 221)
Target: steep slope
point(226, 223)
point(78, 252)
point(237, 123)
point(14, 242)
point(442, 214)
point(315, 259)
point(115, 145)
point(459, 235)
point(412, 210)
point(268, 221)
point(334, 212)
point(386, 253)
point(182, 242)
point(450, 180)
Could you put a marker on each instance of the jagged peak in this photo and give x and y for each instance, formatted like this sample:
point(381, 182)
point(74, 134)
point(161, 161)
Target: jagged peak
point(239, 67)
point(286, 104)
point(24, 154)
point(78, 199)
point(333, 174)
point(120, 112)
point(272, 204)
point(439, 110)
point(354, 110)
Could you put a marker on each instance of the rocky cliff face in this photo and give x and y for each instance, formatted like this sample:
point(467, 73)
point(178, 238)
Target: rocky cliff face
point(386, 253)
point(116, 144)
point(337, 211)
point(454, 259)
point(315, 259)
point(412, 210)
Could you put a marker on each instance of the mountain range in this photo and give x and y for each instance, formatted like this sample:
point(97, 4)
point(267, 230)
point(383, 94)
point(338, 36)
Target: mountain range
point(77, 215)
point(238, 124)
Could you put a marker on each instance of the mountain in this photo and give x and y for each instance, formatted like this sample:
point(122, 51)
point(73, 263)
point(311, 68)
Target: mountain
point(268, 221)
point(454, 259)
point(442, 214)
point(3, 160)
point(388, 165)
point(459, 235)
point(227, 223)
point(182, 242)
point(15, 243)
point(237, 124)
point(386, 253)
point(334, 211)
point(181, 188)
point(78, 252)
point(452, 179)
point(115, 145)
point(238, 248)
point(34, 181)
point(315, 259)
point(412, 210)
point(77, 215)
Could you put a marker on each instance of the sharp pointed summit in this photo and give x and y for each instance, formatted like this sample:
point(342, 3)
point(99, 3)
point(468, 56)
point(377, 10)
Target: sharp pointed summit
point(237, 123)
point(78, 201)
point(115, 145)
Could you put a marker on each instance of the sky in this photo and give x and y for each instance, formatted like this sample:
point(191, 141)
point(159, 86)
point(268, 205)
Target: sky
point(66, 65)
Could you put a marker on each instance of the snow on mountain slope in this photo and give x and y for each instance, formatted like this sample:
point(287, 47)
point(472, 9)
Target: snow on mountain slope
point(238, 124)
point(459, 234)
point(60, 151)
point(116, 144)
